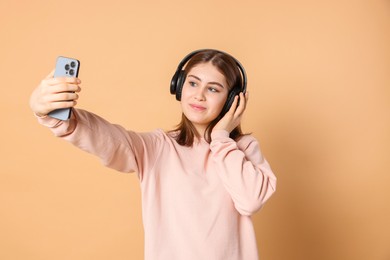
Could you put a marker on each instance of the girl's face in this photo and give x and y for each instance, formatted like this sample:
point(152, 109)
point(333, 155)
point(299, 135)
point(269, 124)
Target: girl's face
point(204, 94)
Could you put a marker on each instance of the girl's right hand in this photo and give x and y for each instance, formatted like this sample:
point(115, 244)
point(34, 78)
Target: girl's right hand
point(54, 93)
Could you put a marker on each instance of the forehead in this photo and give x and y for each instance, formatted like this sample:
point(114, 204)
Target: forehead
point(207, 72)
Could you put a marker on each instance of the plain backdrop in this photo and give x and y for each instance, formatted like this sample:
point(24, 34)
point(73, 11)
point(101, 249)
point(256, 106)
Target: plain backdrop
point(319, 83)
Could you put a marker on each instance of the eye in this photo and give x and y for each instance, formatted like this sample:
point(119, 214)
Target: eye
point(214, 89)
point(192, 83)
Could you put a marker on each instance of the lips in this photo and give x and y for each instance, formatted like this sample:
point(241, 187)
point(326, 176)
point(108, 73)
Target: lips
point(197, 107)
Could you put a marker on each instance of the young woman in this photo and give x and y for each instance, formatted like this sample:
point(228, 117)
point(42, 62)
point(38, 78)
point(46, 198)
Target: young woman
point(200, 182)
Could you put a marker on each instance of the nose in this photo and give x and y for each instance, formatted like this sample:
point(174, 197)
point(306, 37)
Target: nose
point(200, 95)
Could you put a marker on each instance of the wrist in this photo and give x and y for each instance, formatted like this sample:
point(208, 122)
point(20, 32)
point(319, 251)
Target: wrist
point(219, 133)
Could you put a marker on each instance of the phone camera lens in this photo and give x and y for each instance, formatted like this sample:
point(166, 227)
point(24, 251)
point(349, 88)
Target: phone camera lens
point(67, 67)
point(71, 72)
point(73, 64)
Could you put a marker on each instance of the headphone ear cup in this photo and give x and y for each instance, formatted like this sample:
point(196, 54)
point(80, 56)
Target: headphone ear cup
point(230, 100)
point(174, 82)
point(179, 84)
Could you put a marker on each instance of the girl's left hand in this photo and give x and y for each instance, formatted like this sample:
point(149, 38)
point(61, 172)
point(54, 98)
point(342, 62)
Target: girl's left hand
point(232, 118)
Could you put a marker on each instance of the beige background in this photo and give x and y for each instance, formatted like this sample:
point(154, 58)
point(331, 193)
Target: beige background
point(319, 79)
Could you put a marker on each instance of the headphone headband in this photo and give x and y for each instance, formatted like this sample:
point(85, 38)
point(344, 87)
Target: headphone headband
point(190, 55)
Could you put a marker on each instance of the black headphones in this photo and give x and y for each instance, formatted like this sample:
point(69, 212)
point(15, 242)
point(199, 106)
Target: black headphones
point(179, 78)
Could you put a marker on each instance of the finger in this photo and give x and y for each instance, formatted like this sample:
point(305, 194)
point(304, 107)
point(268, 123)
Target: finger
point(66, 87)
point(61, 97)
point(60, 88)
point(58, 80)
point(246, 96)
point(67, 96)
point(233, 107)
point(241, 107)
point(62, 104)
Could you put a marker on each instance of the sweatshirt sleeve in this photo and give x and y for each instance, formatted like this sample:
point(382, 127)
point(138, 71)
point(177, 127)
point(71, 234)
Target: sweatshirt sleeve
point(244, 171)
point(117, 148)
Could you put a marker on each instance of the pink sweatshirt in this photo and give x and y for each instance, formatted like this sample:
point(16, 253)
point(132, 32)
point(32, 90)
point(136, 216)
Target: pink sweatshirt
point(197, 201)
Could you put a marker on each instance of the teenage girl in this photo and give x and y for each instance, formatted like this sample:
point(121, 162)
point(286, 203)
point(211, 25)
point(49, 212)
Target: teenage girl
point(200, 182)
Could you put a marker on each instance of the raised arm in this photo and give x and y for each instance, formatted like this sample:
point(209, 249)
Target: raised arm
point(244, 171)
point(117, 148)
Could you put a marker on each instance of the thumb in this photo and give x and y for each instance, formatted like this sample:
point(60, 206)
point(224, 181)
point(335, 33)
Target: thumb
point(51, 74)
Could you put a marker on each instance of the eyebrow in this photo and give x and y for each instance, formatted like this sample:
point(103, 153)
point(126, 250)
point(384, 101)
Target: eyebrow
point(212, 82)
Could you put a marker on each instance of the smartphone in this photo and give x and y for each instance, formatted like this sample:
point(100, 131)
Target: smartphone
point(65, 67)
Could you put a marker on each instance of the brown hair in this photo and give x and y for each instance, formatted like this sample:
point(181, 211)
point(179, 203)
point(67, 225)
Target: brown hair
point(186, 131)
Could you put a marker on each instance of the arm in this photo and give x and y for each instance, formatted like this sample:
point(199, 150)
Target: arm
point(91, 133)
point(243, 170)
point(117, 148)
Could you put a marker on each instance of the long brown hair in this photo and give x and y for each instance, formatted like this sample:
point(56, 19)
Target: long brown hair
point(186, 132)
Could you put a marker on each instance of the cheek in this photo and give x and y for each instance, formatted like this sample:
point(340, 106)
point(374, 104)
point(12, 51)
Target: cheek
point(185, 91)
point(220, 102)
